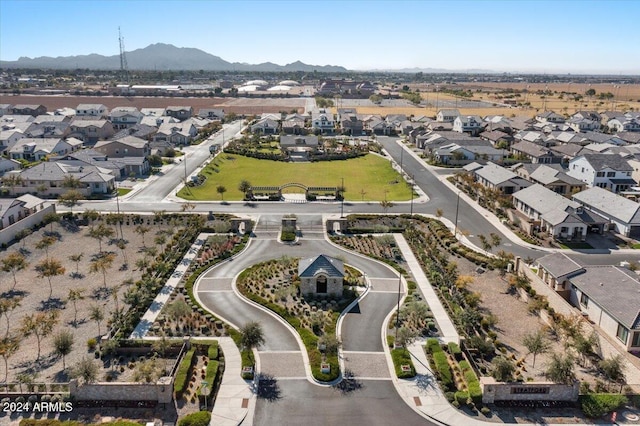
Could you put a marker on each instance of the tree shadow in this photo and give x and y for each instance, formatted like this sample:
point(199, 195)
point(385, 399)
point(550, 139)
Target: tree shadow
point(268, 388)
point(51, 304)
point(77, 275)
point(61, 376)
point(54, 234)
point(101, 293)
point(24, 251)
point(14, 293)
point(79, 322)
point(348, 384)
point(70, 226)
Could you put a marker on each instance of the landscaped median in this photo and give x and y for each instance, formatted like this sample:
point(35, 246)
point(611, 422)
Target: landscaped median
point(274, 284)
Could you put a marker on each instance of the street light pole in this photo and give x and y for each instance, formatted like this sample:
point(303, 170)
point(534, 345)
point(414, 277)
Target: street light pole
point(455, 232)
point(398, 308)
point(412, 184)
point(342, 199)
point(401, 154)
point(118, 207)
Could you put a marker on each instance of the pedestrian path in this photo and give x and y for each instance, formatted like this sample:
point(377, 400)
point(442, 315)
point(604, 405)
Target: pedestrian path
point(447, 329)
point(149, 317)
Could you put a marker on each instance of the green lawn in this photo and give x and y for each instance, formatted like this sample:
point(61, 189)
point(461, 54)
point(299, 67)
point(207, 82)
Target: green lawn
point(123, 191)
point(370, 174)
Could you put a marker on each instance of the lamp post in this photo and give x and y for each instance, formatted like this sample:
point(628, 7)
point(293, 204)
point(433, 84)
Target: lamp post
point(342, 199)
point(455, 232)
point(401, 155)
point(118, 208)
point(398, 308)
point(412, 184)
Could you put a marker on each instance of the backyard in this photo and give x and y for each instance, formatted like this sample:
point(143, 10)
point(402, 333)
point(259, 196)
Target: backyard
point(368, 178)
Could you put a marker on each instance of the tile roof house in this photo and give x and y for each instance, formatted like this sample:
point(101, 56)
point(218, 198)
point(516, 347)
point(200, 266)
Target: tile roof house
point(322, 121)
point(37, 149)
point(458, 154)
point(14, 210)
point(447, 115)
point(97, 111)
point(321, 274)
point(535, 153)
point(495, 177)
point(127, 146)
point(211, 113)
point(91, 131)
point(544, 210)
point(7, 165)
point(553, 178)
point(623, 213)
point(124, 117)
point(624, 124)
point(179, 112)
point(468, 124)
point(175, 134)
point(122, 167)
point(265, 126)
point(8, 138)
point(549, 117)
point(607, 295)
point(51, 129)
point(33, 110)
point(609, 171)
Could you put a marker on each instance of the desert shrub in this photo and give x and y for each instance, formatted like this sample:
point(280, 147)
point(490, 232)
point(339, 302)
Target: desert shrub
point(201, 418)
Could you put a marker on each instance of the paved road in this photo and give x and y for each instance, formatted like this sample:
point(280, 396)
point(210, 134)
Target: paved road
point(298, 402)
point(158, 189)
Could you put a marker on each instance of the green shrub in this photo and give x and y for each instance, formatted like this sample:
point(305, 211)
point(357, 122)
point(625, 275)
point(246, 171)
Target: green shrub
point(455, 351)
point(464, 366)
point(213, 351)
point(461, 397)
point(182, 376)
point(597, 405)
point(433, 346)
point(444, 372)
point(201, 418)
point(400, 357)
point(211, 373)
point(475, 393)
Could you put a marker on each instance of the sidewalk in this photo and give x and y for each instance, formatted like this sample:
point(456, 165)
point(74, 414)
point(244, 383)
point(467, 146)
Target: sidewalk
point(235, 402)
point(447, 329)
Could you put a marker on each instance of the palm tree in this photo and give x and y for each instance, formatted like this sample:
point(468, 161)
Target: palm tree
point(49, 268)
point(251, 335)
point(12, 263)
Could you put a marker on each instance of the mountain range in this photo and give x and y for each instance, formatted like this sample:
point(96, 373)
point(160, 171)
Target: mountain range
point(161, 57)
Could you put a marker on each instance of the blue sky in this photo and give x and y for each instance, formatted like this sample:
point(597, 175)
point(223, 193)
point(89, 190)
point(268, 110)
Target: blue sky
point(536, 36)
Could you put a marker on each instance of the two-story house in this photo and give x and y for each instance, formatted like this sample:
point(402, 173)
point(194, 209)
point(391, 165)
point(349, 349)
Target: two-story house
point(265, 126)
point(624, 124)
point(211, 113)
point(92, 111)
point(623, 214)
point(179, 112)
point(583, 124)
point(124, 117)
point(608, 171)
point(37, 149)
point(447, 115)
point(91, 131)
point(27, 109)
point(8, 139)
point(552, 177)
point(549, 117)
point(322, 121)
point(467, 124)
point(127, 146)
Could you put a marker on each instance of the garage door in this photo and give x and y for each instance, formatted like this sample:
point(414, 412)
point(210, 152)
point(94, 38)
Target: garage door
point(634, 232)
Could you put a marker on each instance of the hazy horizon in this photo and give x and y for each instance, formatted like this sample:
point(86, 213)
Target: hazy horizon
point(498, 36)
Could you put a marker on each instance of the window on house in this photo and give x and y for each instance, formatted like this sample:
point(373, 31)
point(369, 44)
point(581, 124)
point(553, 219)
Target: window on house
point(584, 300)
point(622, 333)
point(611, 174)
point(600, 174)
point(635, 341)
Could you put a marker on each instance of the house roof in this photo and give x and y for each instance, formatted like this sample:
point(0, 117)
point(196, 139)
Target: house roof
point(30, 201)
point(559, 265)
point(610, 204)
point(530, 148)
point(57, 170)
point(132, 141)
point(547, 202)
point(291, 140)
point(616, 290)
point(91, 106)
point(608, 161)
point(547, 175)
point(89, 123)
point(495, 174)
point(449, 112)
point(39, 144)
point(327, 265)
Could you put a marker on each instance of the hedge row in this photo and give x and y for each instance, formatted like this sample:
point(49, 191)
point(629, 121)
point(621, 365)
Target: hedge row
point(402, 357)
point(444, 372)
point(182, 376)
point(598, 404)
point(454, 350)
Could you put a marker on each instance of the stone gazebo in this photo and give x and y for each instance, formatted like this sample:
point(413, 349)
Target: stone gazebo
point(321, 274)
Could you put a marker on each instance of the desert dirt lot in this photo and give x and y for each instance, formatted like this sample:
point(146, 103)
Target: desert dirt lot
point(35, 292)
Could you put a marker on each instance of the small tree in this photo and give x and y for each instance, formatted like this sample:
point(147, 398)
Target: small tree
point(74, 295)
point(49, 268)
point(76, 258)
point(178, 309)
point(502, 369)
point(102, 264)
point(613, 369)
point(7, 306)
point(386, 205)
point(45, 243)
point(39, 324)
point(86, 369)
point(62, 345)
point(251, 335)
point(221, 189)
point(405, 336)
point(160, 347)
point(99, 233)
point(50, 219)
point(96, 314)
point(496, 240)
point(560, 368)
point(70, 198)
point(12, 263)
point(536, 343)
point(244, 187)
point(584, 345)
point(9, 345)
point(142, 229)
point(330, 343)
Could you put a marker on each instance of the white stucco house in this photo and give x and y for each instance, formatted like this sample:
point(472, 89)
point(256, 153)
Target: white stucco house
point(608, 171)
point(623, 214)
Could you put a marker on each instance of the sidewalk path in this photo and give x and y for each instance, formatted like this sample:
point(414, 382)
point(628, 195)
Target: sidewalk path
point(448, 330)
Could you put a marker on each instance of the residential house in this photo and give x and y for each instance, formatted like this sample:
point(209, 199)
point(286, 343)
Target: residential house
point(299, 147)
point(53, 129)
point(583, 124)
point(265, 126)
point(32, 110)
point(48, 178)
point(179, 112)
point(91, 131)
point(294, 127)
point(606, 295)
point(535, 153)
point(544, 210)
point(587, 115)
point(458, 154)
point(551, 177)
point(609, 171)
point(8, 139)
point(92, 111)
point(5, 109)
point(174, 134)
point(447, 115)
point(121, 168)
point(128, 146)
point(124, 117)
point(14, 210)
point(468, 124)
point(377, 126)
point(153, 112)
point(351, 124)
point(549, 117)
point(322, 121)
point(623, 213)
point(497, 137)
point(211, 113)
point(610, 115)
point(495, 177)
point(37, 149)
point(141, 131)
point(629, 137)
point(623, 124)
point(8, 164)
point(157, 121)
point(499, 123)
point(321, 275)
